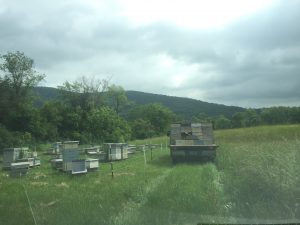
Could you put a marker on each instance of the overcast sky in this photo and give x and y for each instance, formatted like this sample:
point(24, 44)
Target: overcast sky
point(242, 53)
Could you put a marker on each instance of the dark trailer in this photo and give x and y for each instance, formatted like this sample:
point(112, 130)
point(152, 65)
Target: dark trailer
point(192, 141)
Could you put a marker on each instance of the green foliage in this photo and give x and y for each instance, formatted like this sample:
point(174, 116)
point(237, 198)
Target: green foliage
point(238, 119)
point(280, 115)
point(142, 129)
point(19, 75)
point(6, 138)
point(117, 97)
point(11, 139)
point(16, 82)
point(86, 92)
point(107, 126)
point(155, 114)
point(272, 115)
point(222, 122)
point(201, 117)
point(184, 107)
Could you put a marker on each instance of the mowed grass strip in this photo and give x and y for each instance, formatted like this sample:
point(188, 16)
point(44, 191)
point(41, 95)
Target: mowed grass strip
point(191, 193)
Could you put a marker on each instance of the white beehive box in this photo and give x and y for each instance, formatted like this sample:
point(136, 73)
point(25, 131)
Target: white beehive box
point(32, 161)
point(92, 164)
point(19, 168)
point(70, 145)
point(10, 155)
point(116, 151)
point(57, 163)
point(78, 166)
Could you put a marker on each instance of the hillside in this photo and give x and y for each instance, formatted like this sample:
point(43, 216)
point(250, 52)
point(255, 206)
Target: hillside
point(185, 107)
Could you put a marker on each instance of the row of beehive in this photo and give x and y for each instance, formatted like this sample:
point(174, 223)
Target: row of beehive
point(70, 159)
point(18, 160)
point(109, 151)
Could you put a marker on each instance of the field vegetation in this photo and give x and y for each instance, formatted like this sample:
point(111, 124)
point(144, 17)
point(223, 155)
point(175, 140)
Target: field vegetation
point(254, 179)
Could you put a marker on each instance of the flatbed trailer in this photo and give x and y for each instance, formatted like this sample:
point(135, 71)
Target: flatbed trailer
point(192, 141)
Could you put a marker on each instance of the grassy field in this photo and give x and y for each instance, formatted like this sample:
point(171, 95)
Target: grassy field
point(256, 178)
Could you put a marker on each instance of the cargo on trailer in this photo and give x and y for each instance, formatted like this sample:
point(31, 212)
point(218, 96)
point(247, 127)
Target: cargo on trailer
point(192, 141)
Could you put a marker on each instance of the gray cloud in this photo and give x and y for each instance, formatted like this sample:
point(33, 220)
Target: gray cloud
point(252, 62)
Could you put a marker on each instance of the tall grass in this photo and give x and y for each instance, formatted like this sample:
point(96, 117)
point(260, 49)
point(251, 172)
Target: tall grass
point(260, 170)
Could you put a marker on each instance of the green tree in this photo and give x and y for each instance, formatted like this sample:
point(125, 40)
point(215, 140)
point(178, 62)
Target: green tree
point(201, 118)
point(238, 120)
point(86, 92)
point(142, 129)
point(117, 97)
point(53, 113)
point(19, 76)
point(107, 126)
point(17, 79)
point(221, 122)
point(251, 118)
point(158, 115)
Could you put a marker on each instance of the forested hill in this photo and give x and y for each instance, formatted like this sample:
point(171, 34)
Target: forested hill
point(185, 107)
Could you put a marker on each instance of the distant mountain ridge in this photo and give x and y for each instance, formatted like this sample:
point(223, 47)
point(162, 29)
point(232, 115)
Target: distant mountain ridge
point(185, 107)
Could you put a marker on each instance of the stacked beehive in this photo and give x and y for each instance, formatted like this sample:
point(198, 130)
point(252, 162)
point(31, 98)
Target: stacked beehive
point(70, 157)
point(175, 133)
point(116, 151)
point(208, 137)
point(10, 155)
point(18, 160)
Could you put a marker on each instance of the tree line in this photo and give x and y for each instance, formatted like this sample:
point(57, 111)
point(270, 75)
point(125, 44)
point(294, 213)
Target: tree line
point(90, 110)
point(254, 117)
point(93, 110)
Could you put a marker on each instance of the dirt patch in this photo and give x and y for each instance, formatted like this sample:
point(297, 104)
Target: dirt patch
point(39, 176)
point(123, 174)
point(39, 184)
point(131, 207)
point(62, 185)
point(49, 203)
